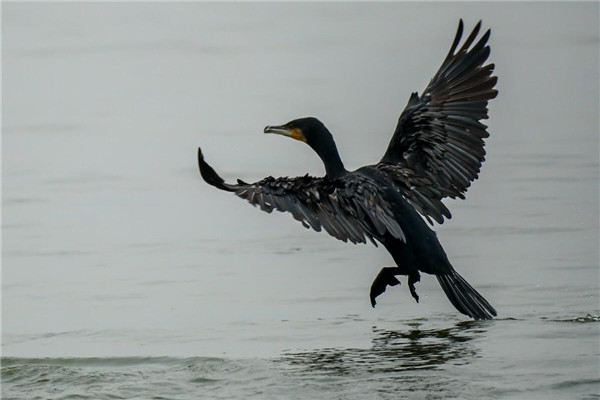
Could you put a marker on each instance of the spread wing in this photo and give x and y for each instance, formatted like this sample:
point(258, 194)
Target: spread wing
point(349, 209)
point(437, 148)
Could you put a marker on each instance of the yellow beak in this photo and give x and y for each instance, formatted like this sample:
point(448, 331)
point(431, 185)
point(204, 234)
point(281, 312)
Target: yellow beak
point(294, 133)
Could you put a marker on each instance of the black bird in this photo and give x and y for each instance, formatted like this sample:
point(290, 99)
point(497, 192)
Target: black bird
point(435, 152)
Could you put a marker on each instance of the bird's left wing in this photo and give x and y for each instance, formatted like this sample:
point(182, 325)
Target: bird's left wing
point(437, 148)
point(350, 209)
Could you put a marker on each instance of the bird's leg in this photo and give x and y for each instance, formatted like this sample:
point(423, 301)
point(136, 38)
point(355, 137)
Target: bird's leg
point(412, 279)
point(387, 276)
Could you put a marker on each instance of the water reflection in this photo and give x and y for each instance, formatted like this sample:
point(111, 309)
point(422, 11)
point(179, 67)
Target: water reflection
point(398, 350)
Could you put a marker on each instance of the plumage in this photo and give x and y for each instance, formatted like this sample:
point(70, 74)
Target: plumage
point(321, 202)
point(441, 129)
point(436, 151)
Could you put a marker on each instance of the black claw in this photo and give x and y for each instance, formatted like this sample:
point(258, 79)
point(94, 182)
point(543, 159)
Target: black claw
point(415, 295)
point(412, 279)
point(384, 278)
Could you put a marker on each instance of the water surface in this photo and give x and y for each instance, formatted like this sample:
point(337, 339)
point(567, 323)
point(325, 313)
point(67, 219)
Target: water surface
point(125, 276)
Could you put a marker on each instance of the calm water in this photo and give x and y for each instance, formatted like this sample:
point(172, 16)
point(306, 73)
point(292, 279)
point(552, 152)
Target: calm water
point(125, 276)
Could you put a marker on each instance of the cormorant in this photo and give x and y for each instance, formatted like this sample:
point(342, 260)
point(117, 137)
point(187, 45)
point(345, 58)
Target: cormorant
point(435, 152)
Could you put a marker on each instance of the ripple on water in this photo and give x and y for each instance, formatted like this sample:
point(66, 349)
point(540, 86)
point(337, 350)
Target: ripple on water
point(395, 351)
point(585, 319)
point(112, 377)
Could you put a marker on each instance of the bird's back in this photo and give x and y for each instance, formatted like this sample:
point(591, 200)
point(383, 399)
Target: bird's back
point(421, 240)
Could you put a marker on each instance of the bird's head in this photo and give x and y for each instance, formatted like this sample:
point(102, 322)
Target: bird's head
point(308, 130)
point(312, 132)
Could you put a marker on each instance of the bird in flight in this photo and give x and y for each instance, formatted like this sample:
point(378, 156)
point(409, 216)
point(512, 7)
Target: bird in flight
point(436, 151)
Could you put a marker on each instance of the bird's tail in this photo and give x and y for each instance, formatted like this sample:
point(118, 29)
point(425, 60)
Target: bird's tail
point(209, 174)
point(466, 299)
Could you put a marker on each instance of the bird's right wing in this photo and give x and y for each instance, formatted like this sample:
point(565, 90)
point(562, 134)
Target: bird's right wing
point(350, 209)
point(437, 148)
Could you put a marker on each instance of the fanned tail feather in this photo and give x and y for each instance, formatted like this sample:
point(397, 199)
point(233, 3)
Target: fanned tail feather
point(466, 299)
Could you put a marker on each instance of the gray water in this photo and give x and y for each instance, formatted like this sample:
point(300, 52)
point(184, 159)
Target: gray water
point(125, 276)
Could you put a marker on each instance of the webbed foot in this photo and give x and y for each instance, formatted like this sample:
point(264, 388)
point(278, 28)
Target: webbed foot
point(412, 279)
point(385, 277)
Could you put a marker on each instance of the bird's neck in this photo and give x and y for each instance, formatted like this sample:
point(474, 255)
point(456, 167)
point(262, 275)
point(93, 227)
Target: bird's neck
point(334, 167)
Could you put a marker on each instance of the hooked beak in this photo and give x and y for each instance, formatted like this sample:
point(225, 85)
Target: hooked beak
point(284, 130)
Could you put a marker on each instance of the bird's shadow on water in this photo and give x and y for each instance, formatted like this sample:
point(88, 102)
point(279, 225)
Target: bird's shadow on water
point(392, 351)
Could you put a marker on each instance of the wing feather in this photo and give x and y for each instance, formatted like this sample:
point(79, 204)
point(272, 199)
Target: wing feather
point(350, 209)
point(438, 146)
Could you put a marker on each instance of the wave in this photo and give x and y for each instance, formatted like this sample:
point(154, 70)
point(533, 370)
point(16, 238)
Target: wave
point(119, 377)
point(582, 319)
point(105, 361)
